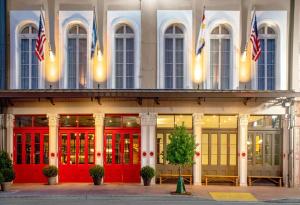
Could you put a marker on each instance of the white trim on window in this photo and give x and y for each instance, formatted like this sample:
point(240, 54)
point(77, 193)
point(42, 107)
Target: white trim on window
point(166, 18)
point(114, 20)
point(19, 19)
point(66, 20)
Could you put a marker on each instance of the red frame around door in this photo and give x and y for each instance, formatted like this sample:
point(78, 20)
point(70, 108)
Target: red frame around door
point(120, 162)
point(74, 163)
point(34, 155)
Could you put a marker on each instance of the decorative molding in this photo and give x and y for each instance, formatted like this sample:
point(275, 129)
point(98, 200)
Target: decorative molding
point(243, 120)
point(148, 119)
point(53, 120)
point(10, 118)
point(197, 119)
point(99, 119)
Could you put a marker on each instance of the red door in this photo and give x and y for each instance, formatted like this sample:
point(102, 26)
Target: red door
point(122, 156)
point(76, 154)
point(31, 154)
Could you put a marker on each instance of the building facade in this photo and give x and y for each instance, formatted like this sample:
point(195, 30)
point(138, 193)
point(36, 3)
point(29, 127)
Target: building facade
point(118, 107)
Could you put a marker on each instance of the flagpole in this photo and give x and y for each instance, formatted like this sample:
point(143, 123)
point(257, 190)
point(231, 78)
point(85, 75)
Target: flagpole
point(43, 18)
point(249, 34)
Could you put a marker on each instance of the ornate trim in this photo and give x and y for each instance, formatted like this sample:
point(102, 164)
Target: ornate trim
point(99, 119)
point(53, 119)
point(148, 119)
point(243, 119)
point(197, 119)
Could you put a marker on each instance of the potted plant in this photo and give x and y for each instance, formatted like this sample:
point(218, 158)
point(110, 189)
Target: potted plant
point(8, 176)
point(147, 173)
point(97, 173)
point(50, 172)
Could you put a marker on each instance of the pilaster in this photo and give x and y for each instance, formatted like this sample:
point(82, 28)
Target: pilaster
point(99, 122)
point(197, 131)
point(242, 149)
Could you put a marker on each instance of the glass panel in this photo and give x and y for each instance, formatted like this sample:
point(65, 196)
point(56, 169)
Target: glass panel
point(223, 149)
point(169, 30)
point(210, 121)
point(91, 148)
point(112, 121)
point(268, 149)
point(135, 149)
point(165, 121)
point(86, 121)
point(118, 149)
point(160, 148)
point(126, 148)
point(23, 121)
point(25, 30)
point(215, 30)
point(187, 120)
point(225, 63)
point(119, 60)
point(19, 148)
point(25, 64)
point(261, 67)
point(178, 30)
point(82, 62)
point(233, 149)
point(120, 30)
point(179, 60)
point(264, 121)
point(258, 149)
point(109, 149)
point(129, 30)
point(204, 147)
point(277, 152)
point(214, 149)
point(82, 30)
point(46, 149)
point(34, 67)
point(228, 121)
point(169, 63)
point(68, 121)
point(214, 63)
point(271, 30)
point(64, 158)
point(73, 148)
point(81, 148)
point(131, 121)
point(37, 148)
point(250, 149)
point(28, 148)
point(72, 63)
point(224, 30)
point(130, 63)
point(73, 30)
point(40, 121)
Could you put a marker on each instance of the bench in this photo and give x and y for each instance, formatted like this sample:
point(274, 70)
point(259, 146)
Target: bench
point(186, 177)
point(274, 179)
point(215, 178)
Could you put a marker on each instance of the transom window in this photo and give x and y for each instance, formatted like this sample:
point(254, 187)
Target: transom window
point(174, 57)
point(220, 57)
point(29, 65)
point(266, 68)
point(77, 57)
point(124, 57)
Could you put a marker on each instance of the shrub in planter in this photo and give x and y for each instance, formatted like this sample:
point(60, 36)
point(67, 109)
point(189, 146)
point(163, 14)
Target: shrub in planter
point(8, 176)
point(50, 172)
point(5, 161)
point(147, 173)
point(97, 173)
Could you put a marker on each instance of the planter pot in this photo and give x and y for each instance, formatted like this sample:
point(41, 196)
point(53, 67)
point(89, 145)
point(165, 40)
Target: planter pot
point(97, 181)
point(147, 181)
point(51, 180)
point(5, 186)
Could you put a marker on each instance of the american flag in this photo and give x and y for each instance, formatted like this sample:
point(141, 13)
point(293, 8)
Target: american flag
point(201, 36)
point(39, 45)
point(256, 49)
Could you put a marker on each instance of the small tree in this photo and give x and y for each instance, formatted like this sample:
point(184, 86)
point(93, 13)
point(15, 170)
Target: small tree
point(181, 152)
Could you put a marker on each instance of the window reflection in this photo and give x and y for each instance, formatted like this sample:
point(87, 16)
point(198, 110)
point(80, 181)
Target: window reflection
point(135, 149)
point(108, 149)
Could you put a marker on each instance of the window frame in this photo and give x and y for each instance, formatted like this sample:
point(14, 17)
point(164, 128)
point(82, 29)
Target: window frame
point(31, 37)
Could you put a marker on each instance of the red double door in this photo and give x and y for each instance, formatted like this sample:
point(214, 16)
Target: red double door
point(76, 154)
point(122, 159)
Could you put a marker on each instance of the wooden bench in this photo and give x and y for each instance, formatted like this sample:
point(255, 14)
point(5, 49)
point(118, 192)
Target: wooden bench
point(215, 178)
point(186, 177)
point(274, 179)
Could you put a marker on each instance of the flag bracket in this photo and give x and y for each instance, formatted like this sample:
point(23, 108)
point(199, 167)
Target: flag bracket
point(51, 100)
point(139, 100)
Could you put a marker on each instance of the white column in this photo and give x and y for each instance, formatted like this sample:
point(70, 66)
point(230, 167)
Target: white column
point(285, 149)
point(53, 139)
point(296, 153)
point(152, 117)
point(99, 121)
point(242, 149)
point(10, 134)
point(197, 131)
point(144, 139)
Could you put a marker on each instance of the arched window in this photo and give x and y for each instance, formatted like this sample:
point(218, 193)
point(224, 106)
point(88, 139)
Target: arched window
point(174, 57)
point(124, 57)
point(266, 67)
point(77, 57)
point(29, 65)
point(220, 57)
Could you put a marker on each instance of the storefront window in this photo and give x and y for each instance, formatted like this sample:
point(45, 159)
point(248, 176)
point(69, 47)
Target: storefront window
point(23, 121)
point(219, 121)
point(31, 121)
point(91, 147)
point(131, 121)
point(40, 121)
point(122, 121)
point(170, 121)
point(264, 121)
point(135, 149)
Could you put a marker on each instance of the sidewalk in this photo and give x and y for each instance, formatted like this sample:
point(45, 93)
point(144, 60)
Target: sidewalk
point(86, 190)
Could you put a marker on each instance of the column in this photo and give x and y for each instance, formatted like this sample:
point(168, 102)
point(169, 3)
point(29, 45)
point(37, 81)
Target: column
point(144, 140)
point(99, 121)
point(53, 139)
point(285, 149)
point(10, 133)
point(242, 149)
point(295, 153)
point(197, 131)
point(152, 117)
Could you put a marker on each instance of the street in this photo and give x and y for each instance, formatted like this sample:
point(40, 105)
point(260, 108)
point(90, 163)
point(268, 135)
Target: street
point(125, 200)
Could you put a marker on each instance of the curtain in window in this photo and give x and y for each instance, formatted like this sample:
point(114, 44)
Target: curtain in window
point(72, 61)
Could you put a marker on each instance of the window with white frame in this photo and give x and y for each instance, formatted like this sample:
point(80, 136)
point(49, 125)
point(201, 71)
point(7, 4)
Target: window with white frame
point(29, 65)
point(174, 57)
point(266, 66)
point(77, 57)
point(220, 57)
point(124, 57)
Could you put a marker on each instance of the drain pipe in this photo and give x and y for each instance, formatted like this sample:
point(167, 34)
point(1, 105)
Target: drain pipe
point(291, 119)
